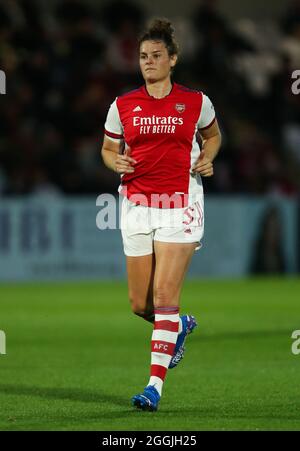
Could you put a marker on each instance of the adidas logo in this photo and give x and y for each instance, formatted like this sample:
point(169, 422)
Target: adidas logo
point(137, 108)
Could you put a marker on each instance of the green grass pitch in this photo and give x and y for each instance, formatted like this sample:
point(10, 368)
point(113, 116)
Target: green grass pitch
point(76, 355)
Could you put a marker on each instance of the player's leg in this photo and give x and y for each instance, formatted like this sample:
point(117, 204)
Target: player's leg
point(190, 231)
point(163, 287)
point(140, 272)
point(172, 261)
point(138, 248)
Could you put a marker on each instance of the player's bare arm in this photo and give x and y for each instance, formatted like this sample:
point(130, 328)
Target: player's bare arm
point(211, 145)
point(114, 160)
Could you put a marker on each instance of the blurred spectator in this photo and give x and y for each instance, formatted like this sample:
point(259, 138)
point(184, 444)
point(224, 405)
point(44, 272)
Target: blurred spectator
point(291, 18)
point(123, 20)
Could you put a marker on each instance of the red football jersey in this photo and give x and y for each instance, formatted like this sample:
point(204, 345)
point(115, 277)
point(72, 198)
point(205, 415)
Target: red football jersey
point(162, 136)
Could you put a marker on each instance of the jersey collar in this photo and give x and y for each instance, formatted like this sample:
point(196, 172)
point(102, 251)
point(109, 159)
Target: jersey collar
point(145, 91)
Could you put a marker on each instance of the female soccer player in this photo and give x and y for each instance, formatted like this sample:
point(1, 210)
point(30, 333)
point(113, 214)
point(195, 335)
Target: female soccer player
point(150, 139)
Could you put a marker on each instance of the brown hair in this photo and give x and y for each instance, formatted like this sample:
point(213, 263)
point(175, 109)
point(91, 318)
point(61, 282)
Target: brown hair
point(161, 30)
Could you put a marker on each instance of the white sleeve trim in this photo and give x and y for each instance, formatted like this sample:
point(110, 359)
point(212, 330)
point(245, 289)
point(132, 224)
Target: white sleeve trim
point(113, 126)
point(116, 140)
point(207, 114)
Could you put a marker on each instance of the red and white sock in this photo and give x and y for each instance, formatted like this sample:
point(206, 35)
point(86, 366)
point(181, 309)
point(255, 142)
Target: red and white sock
point(150, 317)
point(163, 343)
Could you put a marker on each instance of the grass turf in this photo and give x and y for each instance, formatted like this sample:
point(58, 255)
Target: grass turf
point(75, 356)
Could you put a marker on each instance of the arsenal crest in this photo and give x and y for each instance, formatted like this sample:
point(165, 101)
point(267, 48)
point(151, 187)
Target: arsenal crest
point(180, 107)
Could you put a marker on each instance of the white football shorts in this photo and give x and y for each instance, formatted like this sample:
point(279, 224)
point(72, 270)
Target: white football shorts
point(141, 226)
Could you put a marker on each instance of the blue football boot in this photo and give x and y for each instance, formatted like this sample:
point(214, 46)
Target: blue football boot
point(148, 400)
point(188, 325)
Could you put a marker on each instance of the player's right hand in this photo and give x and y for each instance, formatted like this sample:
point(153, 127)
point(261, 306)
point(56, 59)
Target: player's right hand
point(124, 163)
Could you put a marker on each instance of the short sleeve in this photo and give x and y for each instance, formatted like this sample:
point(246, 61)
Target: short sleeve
point(207, 115)
point(113, 127)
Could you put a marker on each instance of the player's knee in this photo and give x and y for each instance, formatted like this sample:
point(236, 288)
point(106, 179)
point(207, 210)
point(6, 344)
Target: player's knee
point(138, 306)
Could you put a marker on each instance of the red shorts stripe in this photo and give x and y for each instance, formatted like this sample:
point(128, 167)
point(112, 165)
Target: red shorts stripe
point(158, 371)
point(162, 347)
point(166, 325)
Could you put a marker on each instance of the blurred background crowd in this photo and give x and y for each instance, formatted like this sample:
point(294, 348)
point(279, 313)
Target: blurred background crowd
point(66, 61)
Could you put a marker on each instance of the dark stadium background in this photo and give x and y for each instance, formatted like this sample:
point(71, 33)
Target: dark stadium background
point(65, 62)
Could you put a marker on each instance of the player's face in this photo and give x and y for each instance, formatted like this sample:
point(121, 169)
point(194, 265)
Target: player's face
point(155, 62)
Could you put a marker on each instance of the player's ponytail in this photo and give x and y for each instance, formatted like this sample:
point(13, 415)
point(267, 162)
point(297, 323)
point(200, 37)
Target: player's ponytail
point(161, 29)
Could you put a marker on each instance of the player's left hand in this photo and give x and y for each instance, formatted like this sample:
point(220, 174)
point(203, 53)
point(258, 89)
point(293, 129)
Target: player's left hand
point(203, 166)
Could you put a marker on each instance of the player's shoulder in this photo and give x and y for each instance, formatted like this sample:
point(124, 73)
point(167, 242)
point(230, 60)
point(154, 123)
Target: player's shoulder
point(195, 96)
point(186, 90)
